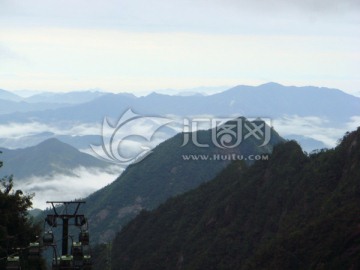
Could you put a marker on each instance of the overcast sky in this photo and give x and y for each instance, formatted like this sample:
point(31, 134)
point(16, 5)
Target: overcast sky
point(143, 45)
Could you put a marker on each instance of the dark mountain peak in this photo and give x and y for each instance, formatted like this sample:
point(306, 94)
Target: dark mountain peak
point(350, 144)
point(175, 166)
point(287, 151)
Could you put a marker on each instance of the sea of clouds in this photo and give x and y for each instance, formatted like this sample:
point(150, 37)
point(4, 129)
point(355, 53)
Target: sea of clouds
point(87, 181)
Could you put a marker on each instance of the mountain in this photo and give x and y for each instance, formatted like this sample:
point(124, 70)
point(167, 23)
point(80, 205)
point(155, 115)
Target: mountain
point(293, 211)
point(79, 142)
point(75, 97)
point(34, 212)
point(306, 111)
point(171, 169)
point(307, 144)
point(47, 158)
point(9, 107)
point(6, 95)
point(88, 112)
point(267, 100)
point(11, 103)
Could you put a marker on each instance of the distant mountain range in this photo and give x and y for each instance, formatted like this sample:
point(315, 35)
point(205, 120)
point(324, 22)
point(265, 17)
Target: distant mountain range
point(10, 106)
point(291, 212)
point(76, 97)
point(319, 114)
point(50, 157)
point(267, 100)
point(316, 117)
point(12, 103)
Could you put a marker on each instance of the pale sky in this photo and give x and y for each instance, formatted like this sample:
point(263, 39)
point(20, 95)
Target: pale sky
point(143, 45)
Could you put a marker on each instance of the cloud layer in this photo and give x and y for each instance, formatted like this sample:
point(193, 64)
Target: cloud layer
point(64, 187)
point(315, 128)
point(86, 181)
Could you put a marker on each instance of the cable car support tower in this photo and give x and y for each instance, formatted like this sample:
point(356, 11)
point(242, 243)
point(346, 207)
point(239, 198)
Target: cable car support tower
point(79, 257)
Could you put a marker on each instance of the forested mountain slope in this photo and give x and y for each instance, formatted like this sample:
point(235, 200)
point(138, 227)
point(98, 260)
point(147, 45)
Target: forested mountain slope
point(291, 212)
point(163, 174)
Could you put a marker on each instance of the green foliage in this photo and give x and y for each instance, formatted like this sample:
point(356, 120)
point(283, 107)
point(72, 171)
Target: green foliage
point(101, 256)
point(16, 228)
point(291, 212)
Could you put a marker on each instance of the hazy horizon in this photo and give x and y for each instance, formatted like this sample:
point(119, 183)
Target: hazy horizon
point(140, 46)
point(203, 90)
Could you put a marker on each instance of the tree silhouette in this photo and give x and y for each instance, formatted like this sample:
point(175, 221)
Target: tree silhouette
point(17, 229)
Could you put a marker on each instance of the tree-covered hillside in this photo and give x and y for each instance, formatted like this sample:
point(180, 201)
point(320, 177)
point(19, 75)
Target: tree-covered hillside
point(161, 175)
point(293, 211)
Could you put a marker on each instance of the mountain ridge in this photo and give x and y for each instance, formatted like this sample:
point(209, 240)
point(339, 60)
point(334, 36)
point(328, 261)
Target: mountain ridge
point(293, 110)
point(74, 97)
point(250, 100)
point(163, 174)
point(47, 158)
point(293, 211)
point(7, 95)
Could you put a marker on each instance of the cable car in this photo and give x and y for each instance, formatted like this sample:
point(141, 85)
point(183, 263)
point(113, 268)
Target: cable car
point(84, 237)
point(87, 262)
point(13, 263)
point(48, 238)
point(77, 249)
point(34, 250)
point(66, 262)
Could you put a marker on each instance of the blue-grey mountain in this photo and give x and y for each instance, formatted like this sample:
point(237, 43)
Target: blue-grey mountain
point(48, 158)
point(267, 100)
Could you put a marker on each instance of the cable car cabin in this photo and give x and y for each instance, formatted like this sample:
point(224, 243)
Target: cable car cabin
point(77, 249)
point(13, 263)
point(34, 250)
point(84, 237)
point(87, 262)
point(66, 262)
point(48, 238)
